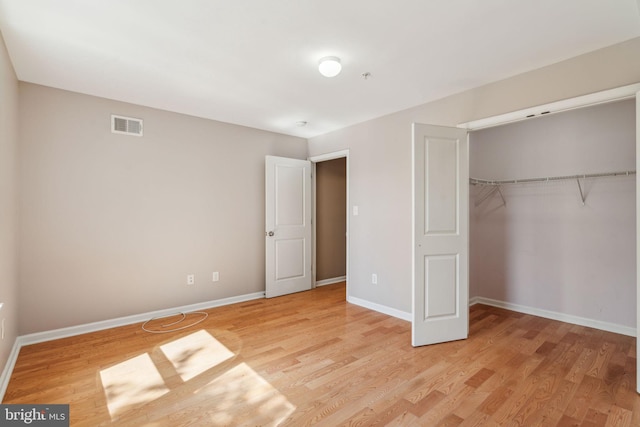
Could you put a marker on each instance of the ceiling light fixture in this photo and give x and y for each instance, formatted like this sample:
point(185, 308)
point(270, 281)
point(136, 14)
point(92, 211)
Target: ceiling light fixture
point(329, 66)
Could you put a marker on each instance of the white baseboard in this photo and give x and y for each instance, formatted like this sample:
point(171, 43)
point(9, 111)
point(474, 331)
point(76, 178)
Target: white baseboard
point(8, 367)
point(39, 337)
point(331, 281)
point(128, 320)
point(554, 315)
point(380, 308)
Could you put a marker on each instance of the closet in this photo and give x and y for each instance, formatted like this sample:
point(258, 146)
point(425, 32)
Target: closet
point(553, 215)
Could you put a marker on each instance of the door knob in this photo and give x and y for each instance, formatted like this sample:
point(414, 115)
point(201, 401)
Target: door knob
point(270, 234)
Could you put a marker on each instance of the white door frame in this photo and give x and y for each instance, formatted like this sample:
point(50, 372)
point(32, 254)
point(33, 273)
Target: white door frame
point(317, 159)
point(637, 239)
point(605, 96)
point(611, 95)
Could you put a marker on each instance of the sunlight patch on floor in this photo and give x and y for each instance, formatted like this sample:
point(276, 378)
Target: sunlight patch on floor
point(232, 394)
point(195, 353)
point(241, 396)
point(132, 382)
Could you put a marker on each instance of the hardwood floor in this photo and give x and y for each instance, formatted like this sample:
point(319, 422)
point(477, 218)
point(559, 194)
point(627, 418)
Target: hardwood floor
point(313, 359)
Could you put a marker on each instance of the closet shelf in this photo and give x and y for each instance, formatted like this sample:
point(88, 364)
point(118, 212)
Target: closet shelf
point(497, 183)
point(476, 181)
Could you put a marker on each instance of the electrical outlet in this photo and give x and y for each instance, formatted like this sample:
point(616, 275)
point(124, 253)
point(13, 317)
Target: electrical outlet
point(216, 276)
point(191, 279)
point(374, 279)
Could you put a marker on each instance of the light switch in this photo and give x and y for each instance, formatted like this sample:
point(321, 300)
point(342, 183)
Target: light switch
point(355, 211)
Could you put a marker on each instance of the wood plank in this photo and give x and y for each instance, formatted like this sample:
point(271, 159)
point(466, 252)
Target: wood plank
point(314, 359)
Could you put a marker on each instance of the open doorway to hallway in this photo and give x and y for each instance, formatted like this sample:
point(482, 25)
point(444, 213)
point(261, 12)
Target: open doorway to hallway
point(331, 221)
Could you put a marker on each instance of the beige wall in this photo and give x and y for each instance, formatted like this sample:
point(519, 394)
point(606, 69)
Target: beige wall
point(112, 224)
point(331, 225)
point(380, 159)
point(8, 203)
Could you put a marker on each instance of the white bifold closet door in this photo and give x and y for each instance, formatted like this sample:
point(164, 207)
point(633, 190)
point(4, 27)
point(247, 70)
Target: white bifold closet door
point(440, 234)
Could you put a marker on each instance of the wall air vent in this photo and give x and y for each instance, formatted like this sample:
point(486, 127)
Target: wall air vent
point(126, 125)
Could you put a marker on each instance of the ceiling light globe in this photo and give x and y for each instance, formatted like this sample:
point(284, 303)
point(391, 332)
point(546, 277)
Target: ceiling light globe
point(329, 66)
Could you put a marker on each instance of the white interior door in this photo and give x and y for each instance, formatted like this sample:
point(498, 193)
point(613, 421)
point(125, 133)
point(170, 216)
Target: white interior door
point(440, 234)
point(288, 226)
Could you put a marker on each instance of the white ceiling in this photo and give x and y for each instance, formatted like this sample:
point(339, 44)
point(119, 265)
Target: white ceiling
point(254, 62)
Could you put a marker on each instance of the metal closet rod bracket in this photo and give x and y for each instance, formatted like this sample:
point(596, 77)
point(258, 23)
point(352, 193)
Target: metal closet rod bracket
point(496, 188)
point(582, 196)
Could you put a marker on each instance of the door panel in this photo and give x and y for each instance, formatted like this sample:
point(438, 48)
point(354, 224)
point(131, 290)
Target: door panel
point(440, 300)
point(288, 226)
point(440, 234)
point(289, 195)
point(289, 258)
point(441, 180)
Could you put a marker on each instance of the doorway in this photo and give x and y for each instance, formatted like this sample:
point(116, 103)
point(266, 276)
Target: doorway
point(330, 218)
point(621, 93)
point(553, 215)
point(331, 221)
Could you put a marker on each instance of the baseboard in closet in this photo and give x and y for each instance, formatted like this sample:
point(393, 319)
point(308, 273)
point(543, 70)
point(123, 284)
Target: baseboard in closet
point(554, 315)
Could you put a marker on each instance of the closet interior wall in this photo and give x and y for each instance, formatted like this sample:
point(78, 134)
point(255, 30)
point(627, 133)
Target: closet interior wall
point(543, 249)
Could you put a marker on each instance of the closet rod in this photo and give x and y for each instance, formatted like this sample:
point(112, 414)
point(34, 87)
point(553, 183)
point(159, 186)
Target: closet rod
point(475, 181)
